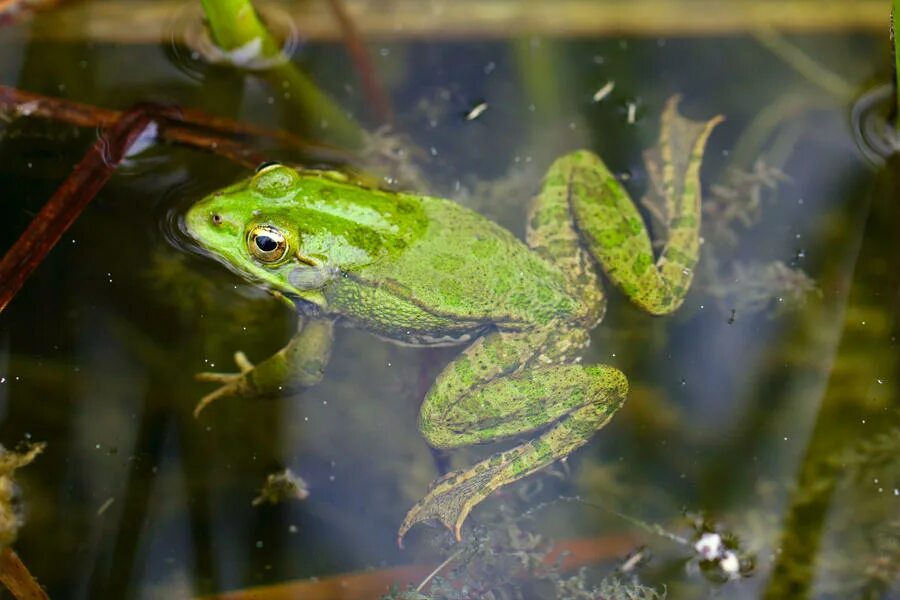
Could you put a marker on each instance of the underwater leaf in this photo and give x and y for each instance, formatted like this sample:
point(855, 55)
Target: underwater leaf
point(737, 204)
point(10, 515)
point(754, 287)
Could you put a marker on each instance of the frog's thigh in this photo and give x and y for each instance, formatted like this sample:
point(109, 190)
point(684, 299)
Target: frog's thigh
point(551, 232)
point(507, 383)
point(614, 231)
point(579, 400)
point(582, 398)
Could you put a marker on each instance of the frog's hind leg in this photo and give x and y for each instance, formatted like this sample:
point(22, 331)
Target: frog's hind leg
point(551, 232)
point(613, 230)
point(503, 386)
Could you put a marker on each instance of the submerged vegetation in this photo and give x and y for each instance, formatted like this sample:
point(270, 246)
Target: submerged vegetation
point(506, 557)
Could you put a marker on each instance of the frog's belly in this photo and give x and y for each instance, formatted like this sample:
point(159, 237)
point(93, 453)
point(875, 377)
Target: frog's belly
point(399, 319)
point(418, 337)
point(431, 341)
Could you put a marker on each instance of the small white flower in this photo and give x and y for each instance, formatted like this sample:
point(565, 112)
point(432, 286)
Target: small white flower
point(730, 565)
point(709, 546)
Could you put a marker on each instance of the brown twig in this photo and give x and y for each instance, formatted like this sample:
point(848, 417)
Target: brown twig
point(121, 129)
point(28, 104)
point(14, 575)
point(186, 126)
point(362, 61)
point(22, 103)
point(58, 214)
point(372, 584)
point(12, 10)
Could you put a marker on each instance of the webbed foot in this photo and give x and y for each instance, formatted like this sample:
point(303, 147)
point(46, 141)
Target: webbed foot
point(452, 497)
point(233, 384)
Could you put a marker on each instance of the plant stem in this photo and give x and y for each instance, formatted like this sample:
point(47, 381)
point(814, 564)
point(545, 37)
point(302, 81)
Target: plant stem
point(72, 197)
point(235, 25)
point(438, 569)
point(17, 579)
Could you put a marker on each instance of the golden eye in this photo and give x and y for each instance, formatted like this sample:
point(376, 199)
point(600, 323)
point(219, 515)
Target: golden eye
point(267, 243)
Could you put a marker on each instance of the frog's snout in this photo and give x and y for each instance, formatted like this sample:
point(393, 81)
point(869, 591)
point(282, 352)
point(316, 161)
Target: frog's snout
point(203, 220)
point(192, 222)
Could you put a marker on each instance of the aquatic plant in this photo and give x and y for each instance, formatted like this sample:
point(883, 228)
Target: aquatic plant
point(729, 210)
point(244, 41)
point(506, 560)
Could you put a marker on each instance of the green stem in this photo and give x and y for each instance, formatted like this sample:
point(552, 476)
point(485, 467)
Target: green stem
point(234, 24)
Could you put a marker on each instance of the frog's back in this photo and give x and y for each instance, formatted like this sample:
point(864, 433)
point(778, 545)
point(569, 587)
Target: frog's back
point(462, 273)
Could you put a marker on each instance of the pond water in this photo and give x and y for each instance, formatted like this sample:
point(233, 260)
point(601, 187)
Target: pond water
point(764, 410)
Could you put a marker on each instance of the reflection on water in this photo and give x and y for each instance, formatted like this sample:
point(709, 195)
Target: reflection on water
point(870, 121)
point(765, 409)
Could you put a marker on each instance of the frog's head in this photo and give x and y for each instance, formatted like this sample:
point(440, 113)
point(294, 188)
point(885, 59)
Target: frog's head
point(293, 232)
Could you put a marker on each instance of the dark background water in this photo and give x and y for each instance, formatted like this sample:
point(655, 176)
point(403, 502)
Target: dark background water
point(745, 415)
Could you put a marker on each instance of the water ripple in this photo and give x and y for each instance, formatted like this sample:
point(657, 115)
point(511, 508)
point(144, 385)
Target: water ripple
point(192, 51)
point(876, 137)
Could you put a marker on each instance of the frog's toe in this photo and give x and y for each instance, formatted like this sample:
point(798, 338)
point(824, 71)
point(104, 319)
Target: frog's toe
point(211, 397)
point(448, 506)
point(452, 497)
point(233, 384)
point(242, 362)
point(224, 378)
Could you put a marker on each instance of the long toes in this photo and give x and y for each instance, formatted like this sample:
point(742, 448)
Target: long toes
point(209, 399)
point(225, 378)
point(453, 496)
point(420, 513)
point(448, 503)
point(243, 363)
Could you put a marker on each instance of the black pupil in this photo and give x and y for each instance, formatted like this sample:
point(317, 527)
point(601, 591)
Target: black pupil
point(265, 243)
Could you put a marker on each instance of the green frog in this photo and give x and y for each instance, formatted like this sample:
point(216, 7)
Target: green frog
point(425, 271)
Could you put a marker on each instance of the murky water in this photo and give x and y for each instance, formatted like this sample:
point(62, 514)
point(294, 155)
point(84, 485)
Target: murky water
point(767, 403)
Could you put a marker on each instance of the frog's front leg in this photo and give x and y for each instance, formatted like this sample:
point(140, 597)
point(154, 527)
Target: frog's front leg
point(509, 384)
point(299, 364)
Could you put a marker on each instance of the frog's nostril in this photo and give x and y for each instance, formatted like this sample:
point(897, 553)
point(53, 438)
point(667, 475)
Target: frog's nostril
point(216, 219)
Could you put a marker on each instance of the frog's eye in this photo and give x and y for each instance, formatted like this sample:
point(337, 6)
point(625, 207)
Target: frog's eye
point(267, 244)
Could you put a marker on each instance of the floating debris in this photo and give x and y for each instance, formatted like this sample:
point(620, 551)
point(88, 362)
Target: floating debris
point(105, 506)
point(758, 287)
point(477, 111)
point(10, 516)
point(634, 561)
point(282, 486)
point(604, 91)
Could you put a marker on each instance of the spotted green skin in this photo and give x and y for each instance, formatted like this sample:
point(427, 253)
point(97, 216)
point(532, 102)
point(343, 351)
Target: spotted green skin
point(426, 271)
